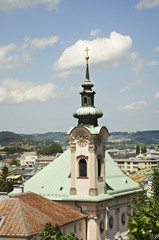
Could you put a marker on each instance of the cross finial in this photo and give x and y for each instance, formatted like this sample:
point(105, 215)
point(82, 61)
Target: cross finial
point(87, 57)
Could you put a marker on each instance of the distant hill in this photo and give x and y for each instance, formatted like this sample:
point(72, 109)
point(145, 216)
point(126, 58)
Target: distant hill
point(145, 137)
point(49, 137)
point(7, 137)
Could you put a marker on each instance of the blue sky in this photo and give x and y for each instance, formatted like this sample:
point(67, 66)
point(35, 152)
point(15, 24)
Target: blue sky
point(42, 63)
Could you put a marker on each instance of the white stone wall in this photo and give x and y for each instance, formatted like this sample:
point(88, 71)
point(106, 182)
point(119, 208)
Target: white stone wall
point(117, 210)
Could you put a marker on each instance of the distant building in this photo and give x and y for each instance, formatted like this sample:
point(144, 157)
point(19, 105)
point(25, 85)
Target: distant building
point(43, 160)
point(133, 165)
point(28, 159)
point(24, 174)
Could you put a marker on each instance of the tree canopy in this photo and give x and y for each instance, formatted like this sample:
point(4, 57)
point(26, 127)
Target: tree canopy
point(144, 221)
point(53, 148)
point(137, 149)
point(6, 185)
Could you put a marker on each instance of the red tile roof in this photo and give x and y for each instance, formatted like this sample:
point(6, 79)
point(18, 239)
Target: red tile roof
point(26, 214)
point(8, 160)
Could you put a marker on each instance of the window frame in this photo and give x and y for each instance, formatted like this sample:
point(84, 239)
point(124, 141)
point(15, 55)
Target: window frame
point(79, 158)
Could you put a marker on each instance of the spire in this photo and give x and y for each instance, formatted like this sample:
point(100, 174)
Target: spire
point(87, 68)
point(87, 114)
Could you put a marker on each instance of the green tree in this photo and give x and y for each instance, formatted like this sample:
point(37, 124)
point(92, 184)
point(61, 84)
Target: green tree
point(143, 149)
point(56, 148)
point(49, 232)
point(6, 185)
point(144, 221)
point(53, 148)
point(15, 162)
point(137, 149)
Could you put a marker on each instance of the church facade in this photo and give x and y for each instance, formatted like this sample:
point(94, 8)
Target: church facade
point(85, 177)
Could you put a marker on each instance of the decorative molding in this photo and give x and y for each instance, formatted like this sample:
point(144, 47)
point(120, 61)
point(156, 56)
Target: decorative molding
point(104, 190)
point(73, 147)
point(73, 191)
point(91, 148)
point(93, 217)
point(82, 156)
point(117, 210)
point(93, 191)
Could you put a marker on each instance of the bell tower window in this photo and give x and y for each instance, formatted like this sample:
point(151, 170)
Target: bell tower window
point(85, 100)
point(82, 168)
point(99, 168)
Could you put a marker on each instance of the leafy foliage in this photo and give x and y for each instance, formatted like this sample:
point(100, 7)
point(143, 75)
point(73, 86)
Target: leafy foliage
point(137, 149)
point(13, 149)
point(143, 149)
point(144, 221)
point(49, 232)
point(53, 148)
point(6, 137)
point(6, 185)
point(15, 162)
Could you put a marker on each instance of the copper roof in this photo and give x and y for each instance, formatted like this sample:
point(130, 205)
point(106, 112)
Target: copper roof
point(26, 214)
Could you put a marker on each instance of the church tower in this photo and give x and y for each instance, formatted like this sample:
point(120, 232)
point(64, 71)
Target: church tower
point(87, 145)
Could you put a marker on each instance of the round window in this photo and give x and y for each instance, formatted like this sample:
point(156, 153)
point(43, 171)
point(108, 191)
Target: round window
point(123, 218)
point(111, 222)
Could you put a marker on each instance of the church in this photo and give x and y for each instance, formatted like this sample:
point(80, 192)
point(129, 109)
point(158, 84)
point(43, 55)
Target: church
point(85, 177)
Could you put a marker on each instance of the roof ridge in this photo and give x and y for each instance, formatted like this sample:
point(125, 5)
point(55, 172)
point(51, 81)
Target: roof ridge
point(31, 212)
point(22, 213)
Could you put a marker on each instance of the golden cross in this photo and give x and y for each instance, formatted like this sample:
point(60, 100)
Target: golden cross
point(87, 57)
point(86, 51)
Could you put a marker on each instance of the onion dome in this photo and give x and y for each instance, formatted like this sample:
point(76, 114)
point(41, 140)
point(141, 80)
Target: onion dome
point(87, 114)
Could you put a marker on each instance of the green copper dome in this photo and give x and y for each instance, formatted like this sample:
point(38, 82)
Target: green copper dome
point(83, 111)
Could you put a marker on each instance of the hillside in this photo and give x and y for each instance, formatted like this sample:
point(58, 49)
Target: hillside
point(144, 137)
point(7, 137)
point(49, 137)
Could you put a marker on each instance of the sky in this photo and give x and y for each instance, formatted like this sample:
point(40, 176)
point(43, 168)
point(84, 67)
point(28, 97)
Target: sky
point(42, 63)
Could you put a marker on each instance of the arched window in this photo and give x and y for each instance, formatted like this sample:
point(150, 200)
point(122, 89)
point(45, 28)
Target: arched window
point(123, 218)
point(111, 222)
point(82, 168)
point(99, 167)
point(85, 100)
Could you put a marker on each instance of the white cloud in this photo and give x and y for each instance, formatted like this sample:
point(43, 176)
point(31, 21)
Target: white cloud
point(95, 32)
point(156, 95)
point(131, 85)
point(152, 63)
point(73, 90)
point(104, 52)
point(64, 74)
point(139, 64)
point(15, 91)
point(147, 4)
point(133, 106)
point(43, 42)
point(137, 82)
point(13, 55)
point(157, 49)
point(125, 89)
point(9, 5)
